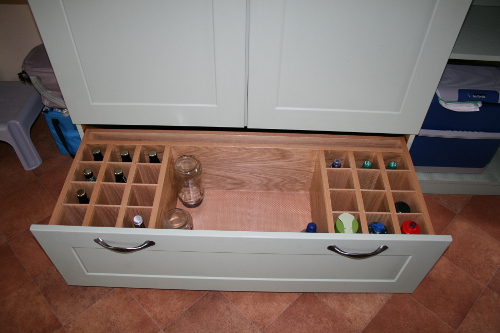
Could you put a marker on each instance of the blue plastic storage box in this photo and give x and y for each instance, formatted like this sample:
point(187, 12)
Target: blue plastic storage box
point(461, 131)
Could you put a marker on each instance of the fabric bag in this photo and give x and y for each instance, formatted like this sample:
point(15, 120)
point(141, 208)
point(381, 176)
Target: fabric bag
point(63, 130)
point(37, 70)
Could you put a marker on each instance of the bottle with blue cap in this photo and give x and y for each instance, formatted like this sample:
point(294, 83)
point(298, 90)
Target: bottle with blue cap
point(377, 228)
point(336, 163)
point(311, 227)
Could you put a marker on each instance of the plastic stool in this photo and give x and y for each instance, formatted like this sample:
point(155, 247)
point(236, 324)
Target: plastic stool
point(20, 105)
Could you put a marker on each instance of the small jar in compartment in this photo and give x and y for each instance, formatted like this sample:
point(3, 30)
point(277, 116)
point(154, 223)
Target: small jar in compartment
point(401, 180)
point(104, 216)
point(340, 179)
point(110, 194)
point(147, 174)
point(118, 150)
point(394, 157)
point(370, 179)
point(342, 156)
point(141, 195)
point(148, 150)
point(131, 212)
point(361, 157)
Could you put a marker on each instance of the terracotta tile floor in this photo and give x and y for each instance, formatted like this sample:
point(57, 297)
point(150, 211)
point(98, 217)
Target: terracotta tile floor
point(461, 293)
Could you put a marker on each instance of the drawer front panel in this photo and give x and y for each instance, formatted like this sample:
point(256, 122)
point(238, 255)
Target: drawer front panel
point(240, 265)
point(229, 260)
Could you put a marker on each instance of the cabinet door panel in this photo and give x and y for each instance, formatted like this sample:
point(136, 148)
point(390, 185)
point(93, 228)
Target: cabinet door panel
point(240, 260)
point(358, 66)
point(148, 62)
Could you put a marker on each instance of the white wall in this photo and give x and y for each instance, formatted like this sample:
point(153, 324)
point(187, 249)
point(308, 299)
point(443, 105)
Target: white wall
point(18, 35)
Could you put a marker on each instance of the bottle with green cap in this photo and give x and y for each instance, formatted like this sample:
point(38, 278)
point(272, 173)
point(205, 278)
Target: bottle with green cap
point(392, 165)
point(367, 165)
point(346, 223)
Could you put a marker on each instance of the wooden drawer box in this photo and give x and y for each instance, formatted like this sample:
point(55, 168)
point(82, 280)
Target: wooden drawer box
point(261, 190)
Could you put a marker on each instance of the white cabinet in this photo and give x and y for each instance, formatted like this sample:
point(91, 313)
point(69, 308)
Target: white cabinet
point(336, 65)
point(148, 62)
point(361, 66)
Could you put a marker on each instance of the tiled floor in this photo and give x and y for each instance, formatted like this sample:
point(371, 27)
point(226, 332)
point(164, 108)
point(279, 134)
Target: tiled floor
point(461, 293)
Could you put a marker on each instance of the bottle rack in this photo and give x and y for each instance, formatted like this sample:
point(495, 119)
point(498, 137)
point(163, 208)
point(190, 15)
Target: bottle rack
point(114, 204)
point(265, 187)
point(370, 194)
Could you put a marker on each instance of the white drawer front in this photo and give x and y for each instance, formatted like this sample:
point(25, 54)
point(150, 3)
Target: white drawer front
point(231, 260)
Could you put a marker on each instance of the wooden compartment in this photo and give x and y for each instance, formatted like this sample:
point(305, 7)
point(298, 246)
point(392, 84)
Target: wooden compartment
point(261, 190)
point(247, 186)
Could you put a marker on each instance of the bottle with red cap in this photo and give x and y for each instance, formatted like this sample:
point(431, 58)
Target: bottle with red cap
point(410, 227)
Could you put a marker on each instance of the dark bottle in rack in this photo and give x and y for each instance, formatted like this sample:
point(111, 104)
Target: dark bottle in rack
point(96, 152)
point(153, 157)
point(82, 196)
point(125, 156)
point(89, 175)
point(119, 176)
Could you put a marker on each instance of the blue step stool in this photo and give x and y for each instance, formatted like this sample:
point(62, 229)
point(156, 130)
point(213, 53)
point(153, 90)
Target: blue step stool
point(20, 105)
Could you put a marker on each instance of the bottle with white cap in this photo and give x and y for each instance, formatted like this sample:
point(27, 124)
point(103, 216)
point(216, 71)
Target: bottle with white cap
point(138, 222)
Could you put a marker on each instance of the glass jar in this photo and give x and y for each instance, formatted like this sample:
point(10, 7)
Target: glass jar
point(177, 219)
point(188, 176)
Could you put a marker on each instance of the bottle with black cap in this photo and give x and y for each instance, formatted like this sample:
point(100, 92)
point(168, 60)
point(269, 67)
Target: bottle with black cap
point(96, 152)
point(89, 175)
point(125, 156)
point(82, 196)
point(153, 157)
point(402, 207)
point(119, 176)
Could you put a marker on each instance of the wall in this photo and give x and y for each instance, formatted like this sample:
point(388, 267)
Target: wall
point(18, 35)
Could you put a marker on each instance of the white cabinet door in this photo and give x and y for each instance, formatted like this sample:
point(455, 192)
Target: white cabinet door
point(151, 62)
point(356, 66)
point(239, 260)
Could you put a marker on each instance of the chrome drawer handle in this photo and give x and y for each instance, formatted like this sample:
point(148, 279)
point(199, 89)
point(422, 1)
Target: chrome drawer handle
point(335, 249)
point(124, 249)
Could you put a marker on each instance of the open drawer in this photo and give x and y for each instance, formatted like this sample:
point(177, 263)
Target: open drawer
point(261, 190)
